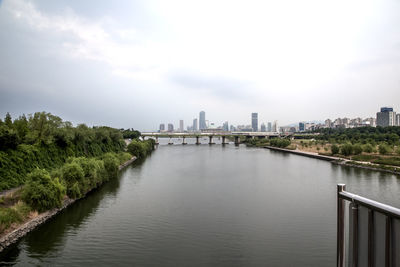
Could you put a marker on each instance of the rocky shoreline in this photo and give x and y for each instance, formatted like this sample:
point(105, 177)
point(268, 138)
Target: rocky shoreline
point(13, 236)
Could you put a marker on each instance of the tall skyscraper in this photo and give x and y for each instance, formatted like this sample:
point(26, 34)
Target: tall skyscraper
point(302, 127)
point(263, 128)
point(387, 117)
point(225, 126)
point(275, 127)
point(254, 122)
point(181, 129)
point(269, 127)
point(162, 127)
point(398, 119)
point(194, 125)
point(202, 120)
point(170, 127)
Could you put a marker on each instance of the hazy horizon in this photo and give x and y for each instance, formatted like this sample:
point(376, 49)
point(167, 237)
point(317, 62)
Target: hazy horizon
point(137, 64)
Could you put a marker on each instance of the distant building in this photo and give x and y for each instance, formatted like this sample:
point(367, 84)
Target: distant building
point(269, 127)
point(232, 128)
point(328, 123)
point(254, 122)
point(387, 117)
point(195, 125)
point(162, 127)
point(369, 122)
point(263, 128)
point(170, 127)
point(202, 120)
point(397, 119)
point(275, 127)
point(302, 127)
point(225, 126)
point(181, 129)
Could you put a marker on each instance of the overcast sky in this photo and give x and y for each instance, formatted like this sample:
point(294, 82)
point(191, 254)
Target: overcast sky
point(140, 63)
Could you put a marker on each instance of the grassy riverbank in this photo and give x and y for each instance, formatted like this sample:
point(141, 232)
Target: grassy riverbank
point(359, 151)
point(53, 162)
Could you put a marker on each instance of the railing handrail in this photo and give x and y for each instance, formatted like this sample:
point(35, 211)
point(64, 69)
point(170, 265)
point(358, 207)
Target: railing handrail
point(371, 204)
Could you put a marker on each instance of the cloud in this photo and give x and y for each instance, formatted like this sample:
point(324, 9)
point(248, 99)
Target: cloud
point(220, 87)
point(90, 40)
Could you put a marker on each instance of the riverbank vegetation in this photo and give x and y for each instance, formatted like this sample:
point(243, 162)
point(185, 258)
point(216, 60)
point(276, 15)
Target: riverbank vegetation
point(54, 161)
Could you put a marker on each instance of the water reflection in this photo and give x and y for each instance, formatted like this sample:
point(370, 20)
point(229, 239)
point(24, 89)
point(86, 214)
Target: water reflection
point(51, 236)
point(207, 206)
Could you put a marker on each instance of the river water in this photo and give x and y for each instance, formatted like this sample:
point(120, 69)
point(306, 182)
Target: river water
point(205, 206)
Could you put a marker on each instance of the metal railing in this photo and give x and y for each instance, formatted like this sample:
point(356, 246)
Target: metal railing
point(373, 232)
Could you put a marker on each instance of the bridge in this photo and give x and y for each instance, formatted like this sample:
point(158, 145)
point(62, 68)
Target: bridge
point(233, 135)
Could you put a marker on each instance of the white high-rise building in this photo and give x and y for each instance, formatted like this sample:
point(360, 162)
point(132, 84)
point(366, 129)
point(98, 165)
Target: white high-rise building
point(181, 129)
point(387, 117)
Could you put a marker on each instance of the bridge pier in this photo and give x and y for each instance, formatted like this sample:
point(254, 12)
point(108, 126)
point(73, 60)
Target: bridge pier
point(183, 142)
point(211, 142)
point(237, 140)
point(197, 140)
point(170, 141)
point(157, 140)
point(223, 140)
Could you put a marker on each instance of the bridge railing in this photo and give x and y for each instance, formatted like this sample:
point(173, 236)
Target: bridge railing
point(372, 235)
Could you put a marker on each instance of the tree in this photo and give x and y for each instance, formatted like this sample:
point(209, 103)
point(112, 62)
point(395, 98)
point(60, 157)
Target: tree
point(346, 149)
point(41, 192)
point(334, 149)
point(383, 149)
point(8, 120)
point(357, 149)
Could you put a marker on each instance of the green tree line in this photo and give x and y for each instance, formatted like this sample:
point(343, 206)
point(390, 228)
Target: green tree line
point(363, 135)
point(45, 141)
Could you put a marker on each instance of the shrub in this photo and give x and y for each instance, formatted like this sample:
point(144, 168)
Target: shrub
point(334, 149)
point(41, 192)
point(357, 149)
point(111, 165)
point(136, 149)
point(346, 149)
point(383, 149)
point(368, 148)
point(277, 142)
point(123, 157)
point(73, 173)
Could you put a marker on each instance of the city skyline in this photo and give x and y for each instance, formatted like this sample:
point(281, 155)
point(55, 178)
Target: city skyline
point(387, 116)
point(112, 64)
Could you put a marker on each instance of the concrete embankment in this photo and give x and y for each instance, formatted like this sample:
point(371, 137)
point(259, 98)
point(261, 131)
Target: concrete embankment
point(306, 154)
point(11, 237)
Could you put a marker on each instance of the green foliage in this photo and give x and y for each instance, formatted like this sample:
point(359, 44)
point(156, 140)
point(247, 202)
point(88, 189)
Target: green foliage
point(41, 192)
point(371, 135)
point(368, 148)
point(395, 161)
point(123, 157)
point(357, 149)
point(346, 149)
point(45, 141)
point(335, 149)
point(130, 133)
point(14, 214)
point(72, 173)
point(278, 142)
point(111, 164)
point(140, 149)
point(384, 149)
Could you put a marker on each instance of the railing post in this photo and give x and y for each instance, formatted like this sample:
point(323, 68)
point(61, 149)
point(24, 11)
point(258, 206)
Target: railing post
point(340, 227)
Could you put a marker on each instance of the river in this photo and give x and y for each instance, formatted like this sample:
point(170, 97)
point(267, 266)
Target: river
point(205, 206)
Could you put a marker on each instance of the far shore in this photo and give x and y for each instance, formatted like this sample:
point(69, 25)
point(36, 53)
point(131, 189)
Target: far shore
point(340, 161)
